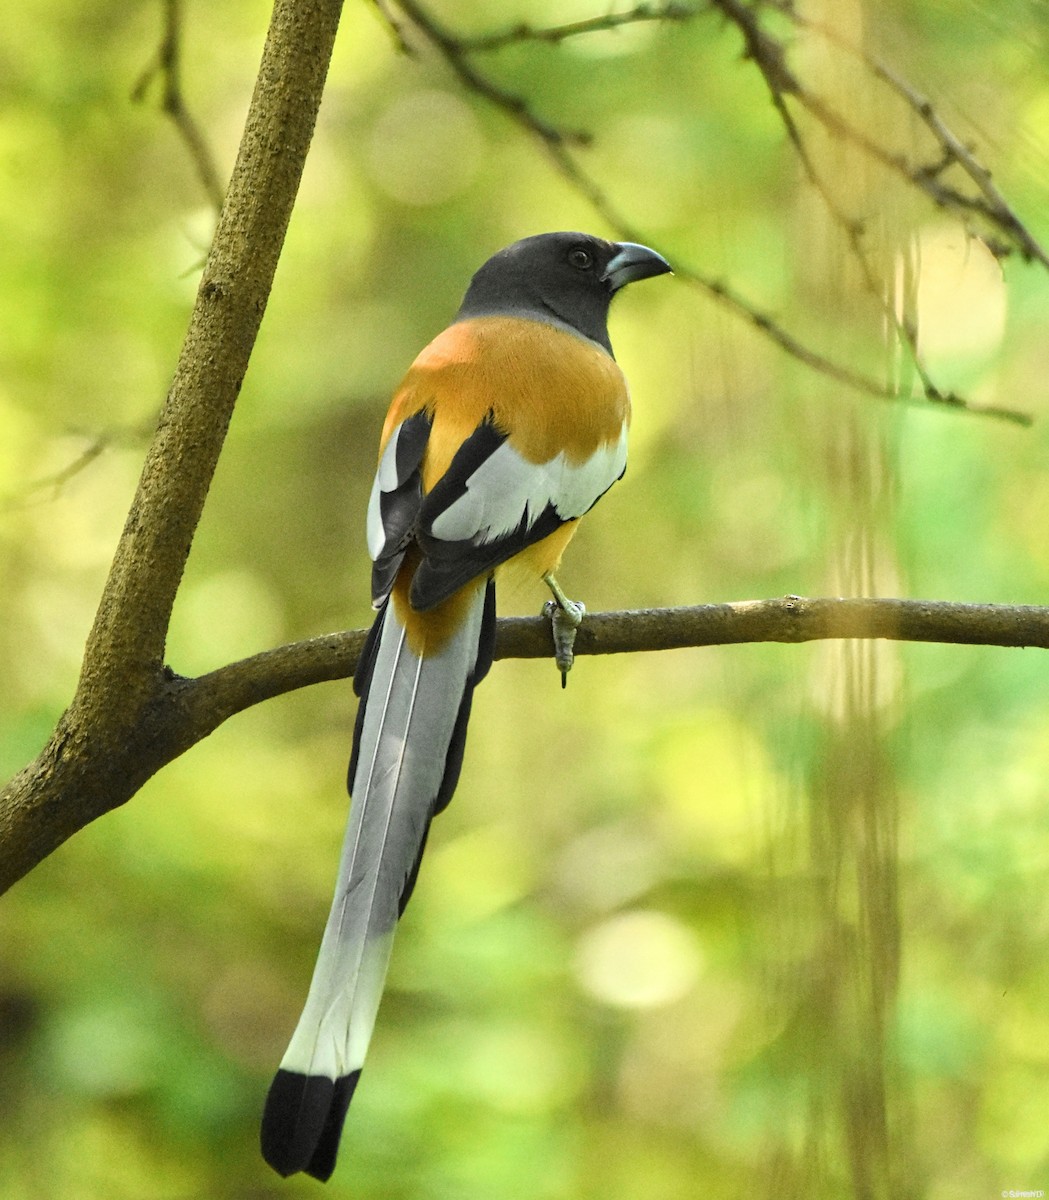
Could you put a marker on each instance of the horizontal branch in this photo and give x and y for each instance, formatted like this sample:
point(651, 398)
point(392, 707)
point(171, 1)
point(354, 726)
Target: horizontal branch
point(787, 619)
point(238, 686)
point(184, 711)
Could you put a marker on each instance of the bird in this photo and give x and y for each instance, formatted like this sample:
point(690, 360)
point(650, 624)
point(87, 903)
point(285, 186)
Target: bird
point(507, 428)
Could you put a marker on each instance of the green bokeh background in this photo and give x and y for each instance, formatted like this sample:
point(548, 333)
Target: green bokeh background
point(738, 921)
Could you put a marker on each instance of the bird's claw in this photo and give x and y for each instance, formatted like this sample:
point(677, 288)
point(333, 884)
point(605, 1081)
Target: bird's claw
point(565, 618)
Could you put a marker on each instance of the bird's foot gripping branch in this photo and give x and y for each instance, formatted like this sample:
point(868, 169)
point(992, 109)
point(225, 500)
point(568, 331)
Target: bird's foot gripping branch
point(565, 618)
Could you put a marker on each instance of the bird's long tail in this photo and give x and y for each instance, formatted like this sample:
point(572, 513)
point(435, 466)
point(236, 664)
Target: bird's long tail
point(407, 752)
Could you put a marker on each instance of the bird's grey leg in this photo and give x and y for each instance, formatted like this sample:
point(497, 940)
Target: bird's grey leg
point(565, 618)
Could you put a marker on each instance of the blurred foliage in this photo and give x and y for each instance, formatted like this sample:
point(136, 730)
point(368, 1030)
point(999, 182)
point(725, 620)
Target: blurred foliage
point(740, 921)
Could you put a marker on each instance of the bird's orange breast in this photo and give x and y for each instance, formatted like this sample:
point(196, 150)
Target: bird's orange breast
point(549, 390)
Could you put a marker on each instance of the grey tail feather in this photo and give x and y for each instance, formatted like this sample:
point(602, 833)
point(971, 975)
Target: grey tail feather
point(309, 1097)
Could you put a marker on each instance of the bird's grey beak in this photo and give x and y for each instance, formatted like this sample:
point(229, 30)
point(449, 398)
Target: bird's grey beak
point(632, 262)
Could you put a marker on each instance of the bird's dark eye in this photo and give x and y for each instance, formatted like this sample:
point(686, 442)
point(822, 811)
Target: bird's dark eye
point(581, 259)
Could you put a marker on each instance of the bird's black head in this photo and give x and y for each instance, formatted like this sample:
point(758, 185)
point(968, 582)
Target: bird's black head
point(566, 278)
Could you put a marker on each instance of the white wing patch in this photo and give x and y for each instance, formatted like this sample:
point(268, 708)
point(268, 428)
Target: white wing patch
point(506, 488)
point(386, 480)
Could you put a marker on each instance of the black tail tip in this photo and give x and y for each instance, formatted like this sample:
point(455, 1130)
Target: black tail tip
point(302, 1122)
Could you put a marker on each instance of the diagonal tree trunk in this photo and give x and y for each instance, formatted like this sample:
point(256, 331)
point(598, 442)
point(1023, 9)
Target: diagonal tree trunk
point(127, 716)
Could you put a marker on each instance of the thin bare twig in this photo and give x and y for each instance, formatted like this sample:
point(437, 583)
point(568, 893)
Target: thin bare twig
point(167, 65)
point(780, 83)
point(991, 204)
point(769, 56)
point(50, 486)
point(554, 34)
point(572, 171)
point(516, 107)
point(382, 7)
